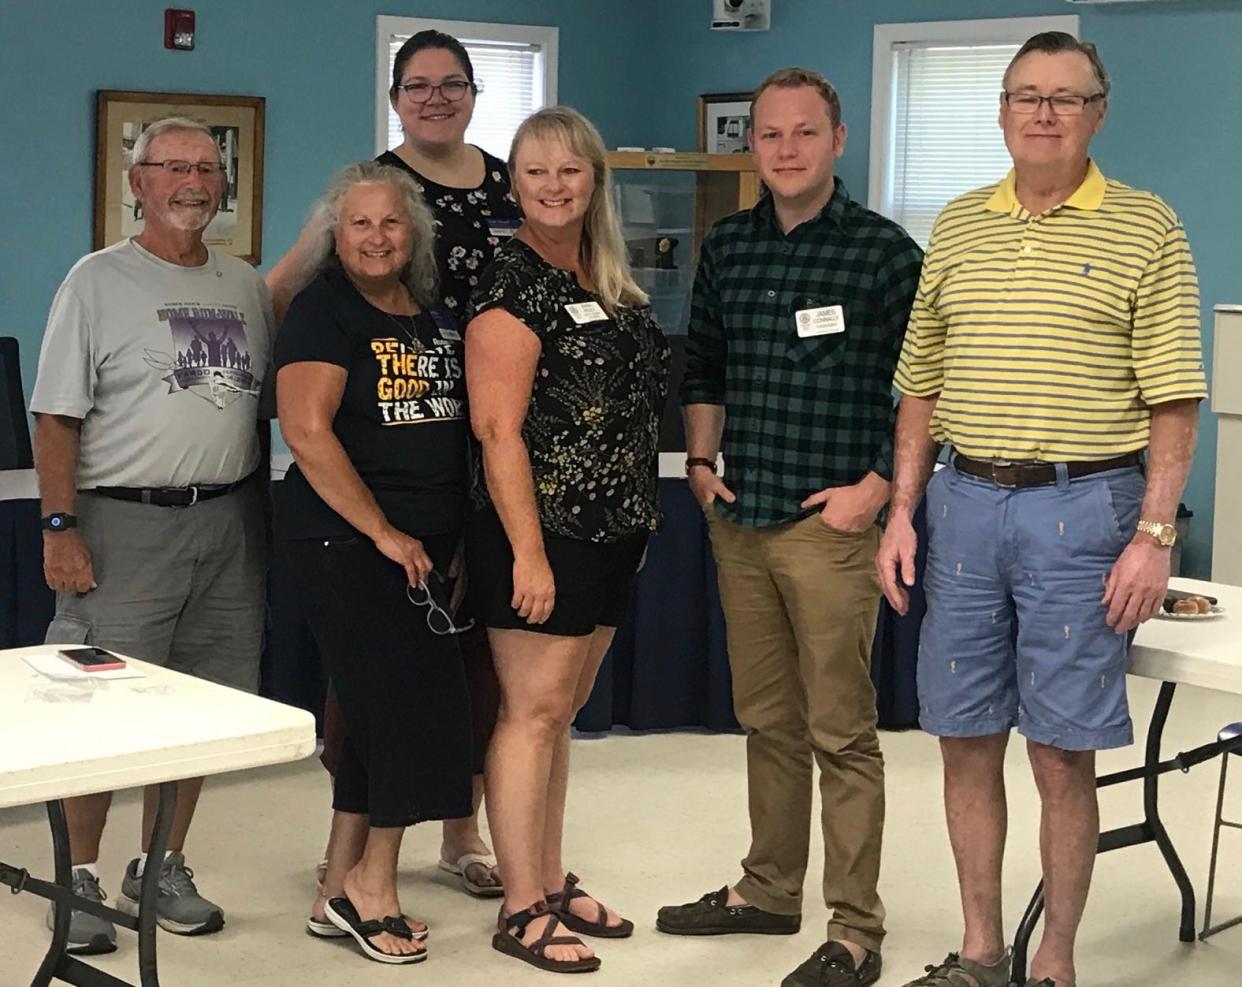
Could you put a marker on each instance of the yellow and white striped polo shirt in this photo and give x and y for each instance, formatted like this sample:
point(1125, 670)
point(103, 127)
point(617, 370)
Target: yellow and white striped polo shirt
point(1050, 337)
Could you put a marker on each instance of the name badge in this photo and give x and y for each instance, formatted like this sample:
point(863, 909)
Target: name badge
point(503, 227)
point(450, 334)
point(585, 312)
point(823, 321)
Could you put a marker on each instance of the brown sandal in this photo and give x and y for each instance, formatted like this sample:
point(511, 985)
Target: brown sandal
point(559, 903)
point(533, 953)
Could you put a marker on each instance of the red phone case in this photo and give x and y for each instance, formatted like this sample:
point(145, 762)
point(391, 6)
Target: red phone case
point(105, 667)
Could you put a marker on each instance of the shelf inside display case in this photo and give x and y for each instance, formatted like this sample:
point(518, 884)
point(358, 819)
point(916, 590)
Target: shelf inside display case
point(666, 203)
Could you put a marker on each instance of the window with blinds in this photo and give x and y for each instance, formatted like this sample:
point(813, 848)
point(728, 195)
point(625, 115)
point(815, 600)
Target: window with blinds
point(935, 102)
point(513, 66)
point(946, 139)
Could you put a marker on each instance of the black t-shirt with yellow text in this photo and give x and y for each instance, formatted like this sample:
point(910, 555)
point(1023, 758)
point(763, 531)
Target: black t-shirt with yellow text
point(402, 420)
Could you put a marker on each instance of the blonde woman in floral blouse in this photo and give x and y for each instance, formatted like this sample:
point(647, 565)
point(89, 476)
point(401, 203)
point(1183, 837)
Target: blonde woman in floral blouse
point(566, 371)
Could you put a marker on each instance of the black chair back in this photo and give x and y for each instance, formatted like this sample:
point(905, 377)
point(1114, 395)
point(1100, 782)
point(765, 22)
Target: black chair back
point(15, 452)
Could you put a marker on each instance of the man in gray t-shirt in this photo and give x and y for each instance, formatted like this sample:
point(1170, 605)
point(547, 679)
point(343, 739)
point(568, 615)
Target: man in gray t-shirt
point(155, 367)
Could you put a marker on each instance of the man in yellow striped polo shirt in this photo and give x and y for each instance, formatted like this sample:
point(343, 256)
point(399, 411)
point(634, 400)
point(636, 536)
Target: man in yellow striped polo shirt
point(1054, 344)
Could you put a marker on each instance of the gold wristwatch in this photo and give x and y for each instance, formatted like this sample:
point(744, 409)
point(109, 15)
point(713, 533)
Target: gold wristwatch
point(1164, 533)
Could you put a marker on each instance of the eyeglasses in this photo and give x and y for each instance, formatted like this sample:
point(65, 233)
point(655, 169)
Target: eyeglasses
point(452, 90)
point(438, 618)
point(208, 169)
point(1063, 104)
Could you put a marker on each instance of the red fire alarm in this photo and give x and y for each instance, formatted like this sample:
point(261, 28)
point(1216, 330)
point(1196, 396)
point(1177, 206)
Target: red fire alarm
point(179, 29)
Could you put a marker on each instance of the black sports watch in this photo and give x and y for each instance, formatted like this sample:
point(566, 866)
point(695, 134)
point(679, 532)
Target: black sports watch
point(59, 522)
point(693, 461)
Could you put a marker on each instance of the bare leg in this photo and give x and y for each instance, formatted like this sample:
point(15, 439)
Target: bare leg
point(538, 675)
point(187, 801)
point(462, 836)
point(371, 886)
point(977, 814)
point(86, 816)
point(558, 786)
point(1069, 832)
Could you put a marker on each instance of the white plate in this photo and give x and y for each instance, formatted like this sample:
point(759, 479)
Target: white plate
point(1217, 611)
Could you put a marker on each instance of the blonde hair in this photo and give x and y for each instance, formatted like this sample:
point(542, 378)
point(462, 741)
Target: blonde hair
point(419, 274)
point(603, 252)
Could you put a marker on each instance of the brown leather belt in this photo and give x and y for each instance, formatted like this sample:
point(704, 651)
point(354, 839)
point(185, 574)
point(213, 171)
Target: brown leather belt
point(1038, 474)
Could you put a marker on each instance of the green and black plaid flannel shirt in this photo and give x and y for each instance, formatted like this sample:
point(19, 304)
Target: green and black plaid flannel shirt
point(801, 414)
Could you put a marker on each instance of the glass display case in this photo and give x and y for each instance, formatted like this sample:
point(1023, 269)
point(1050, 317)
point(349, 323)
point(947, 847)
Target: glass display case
point(666, 203)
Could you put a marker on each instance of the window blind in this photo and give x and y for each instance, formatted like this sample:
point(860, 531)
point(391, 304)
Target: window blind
point(511, 77)
point(946, 139)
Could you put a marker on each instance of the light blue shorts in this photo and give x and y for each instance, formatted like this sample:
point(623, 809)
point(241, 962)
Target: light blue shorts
point(1015, 632)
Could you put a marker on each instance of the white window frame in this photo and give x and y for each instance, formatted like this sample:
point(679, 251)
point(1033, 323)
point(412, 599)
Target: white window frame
point(386, 25)
point(995, 30)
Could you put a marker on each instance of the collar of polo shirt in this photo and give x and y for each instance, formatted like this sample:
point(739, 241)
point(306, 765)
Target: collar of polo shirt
point(1089, 195)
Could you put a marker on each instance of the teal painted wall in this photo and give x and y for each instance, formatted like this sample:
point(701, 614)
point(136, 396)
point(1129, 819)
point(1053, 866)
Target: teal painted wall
point(312, 59)
point(1173, 123)
point(634, 68)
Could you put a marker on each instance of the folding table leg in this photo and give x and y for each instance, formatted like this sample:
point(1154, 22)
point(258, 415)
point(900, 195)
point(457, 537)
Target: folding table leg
point(1151, 830)
point(60, 910)
point(149, 897)
point(57, 964)
point(1151, 812)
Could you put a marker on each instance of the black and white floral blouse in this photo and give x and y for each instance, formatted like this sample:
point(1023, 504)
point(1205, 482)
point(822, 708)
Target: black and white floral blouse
point(592, 428)
point(471, 225)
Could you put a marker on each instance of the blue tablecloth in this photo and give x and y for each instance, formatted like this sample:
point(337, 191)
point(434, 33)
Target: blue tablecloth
point(26, 604)
point(668, 667)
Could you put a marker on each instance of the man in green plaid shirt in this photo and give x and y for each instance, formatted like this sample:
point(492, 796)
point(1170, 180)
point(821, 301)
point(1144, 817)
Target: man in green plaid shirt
point(799, 311)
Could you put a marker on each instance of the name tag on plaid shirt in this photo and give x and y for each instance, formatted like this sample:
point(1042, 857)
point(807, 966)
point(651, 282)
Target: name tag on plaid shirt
point(824, 321)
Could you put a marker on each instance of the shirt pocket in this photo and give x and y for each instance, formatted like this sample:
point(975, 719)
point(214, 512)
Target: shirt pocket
point(821, 352)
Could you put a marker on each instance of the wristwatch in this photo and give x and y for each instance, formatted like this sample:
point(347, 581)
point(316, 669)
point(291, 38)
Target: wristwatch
point(1164, 533)
point(693, 461)
point(59, 522)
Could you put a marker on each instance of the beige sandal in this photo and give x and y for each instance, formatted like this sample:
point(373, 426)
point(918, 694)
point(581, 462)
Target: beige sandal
point(461, 868)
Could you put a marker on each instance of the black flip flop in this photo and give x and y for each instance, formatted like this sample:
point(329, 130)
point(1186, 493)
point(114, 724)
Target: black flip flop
point(342, 913)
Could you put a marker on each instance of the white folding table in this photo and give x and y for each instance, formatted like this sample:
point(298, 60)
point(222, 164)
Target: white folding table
point(63, 738)
point(1204, 653)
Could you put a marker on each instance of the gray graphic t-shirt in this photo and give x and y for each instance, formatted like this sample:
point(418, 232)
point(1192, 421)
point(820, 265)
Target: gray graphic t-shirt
point(164, 364)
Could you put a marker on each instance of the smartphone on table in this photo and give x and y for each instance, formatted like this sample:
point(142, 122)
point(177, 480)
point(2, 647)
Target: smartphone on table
point(92, 659)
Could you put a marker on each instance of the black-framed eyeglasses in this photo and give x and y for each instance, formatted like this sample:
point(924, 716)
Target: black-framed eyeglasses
point(1062, 104)
point(438, 619)
point(208, 169)
point(452, 90)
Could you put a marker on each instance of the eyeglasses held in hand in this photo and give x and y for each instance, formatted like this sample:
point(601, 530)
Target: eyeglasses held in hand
point(208, 169)
point(452, 90)
point(438, 618)
point(1062, 104)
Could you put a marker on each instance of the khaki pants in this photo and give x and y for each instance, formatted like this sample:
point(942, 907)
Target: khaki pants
point(800, 604)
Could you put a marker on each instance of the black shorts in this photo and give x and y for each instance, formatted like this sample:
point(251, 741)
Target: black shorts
point(593, 579)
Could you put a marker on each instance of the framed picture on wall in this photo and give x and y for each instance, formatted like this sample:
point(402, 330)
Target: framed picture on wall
point(236, 122)
point(724, 119)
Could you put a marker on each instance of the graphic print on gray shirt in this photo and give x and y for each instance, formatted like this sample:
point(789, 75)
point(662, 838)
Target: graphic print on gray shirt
point(167, 366)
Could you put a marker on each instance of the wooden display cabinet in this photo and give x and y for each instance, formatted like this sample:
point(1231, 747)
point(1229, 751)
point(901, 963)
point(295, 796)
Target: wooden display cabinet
point(666, 204)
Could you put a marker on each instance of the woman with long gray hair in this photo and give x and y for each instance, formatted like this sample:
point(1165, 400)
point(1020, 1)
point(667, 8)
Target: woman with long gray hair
point(371, 395)
point(433, 93)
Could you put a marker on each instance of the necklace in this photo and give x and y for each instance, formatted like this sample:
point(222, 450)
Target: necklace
point(416, 344)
